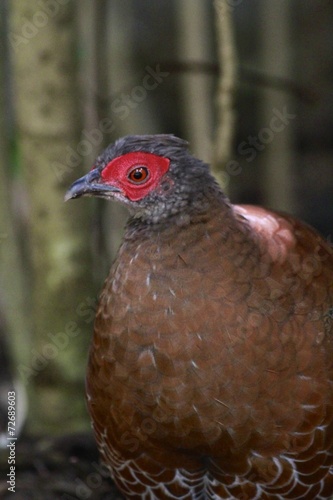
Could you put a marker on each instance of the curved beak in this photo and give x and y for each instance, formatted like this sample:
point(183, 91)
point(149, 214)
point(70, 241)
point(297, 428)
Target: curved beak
point(89, 185)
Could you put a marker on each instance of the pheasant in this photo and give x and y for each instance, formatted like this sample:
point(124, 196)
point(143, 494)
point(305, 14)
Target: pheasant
point(211, 366)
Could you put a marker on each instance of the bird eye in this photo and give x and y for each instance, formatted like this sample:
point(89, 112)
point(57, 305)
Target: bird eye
point(138, 174)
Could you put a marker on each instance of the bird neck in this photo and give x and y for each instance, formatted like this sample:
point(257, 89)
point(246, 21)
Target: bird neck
point(187, 206)
point(196, 213)
point(214, 230)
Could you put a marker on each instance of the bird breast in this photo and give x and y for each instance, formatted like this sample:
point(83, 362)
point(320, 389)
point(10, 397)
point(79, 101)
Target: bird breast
point(195, 335)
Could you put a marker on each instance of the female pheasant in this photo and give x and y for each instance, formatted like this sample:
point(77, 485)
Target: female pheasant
point(211, 367)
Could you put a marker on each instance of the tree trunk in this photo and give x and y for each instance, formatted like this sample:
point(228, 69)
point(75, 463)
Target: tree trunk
point(12, 283)
point(42, 39)
point(276, 154)
point(196, 89)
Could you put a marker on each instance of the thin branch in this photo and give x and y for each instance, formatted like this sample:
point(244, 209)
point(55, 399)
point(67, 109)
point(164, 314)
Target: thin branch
point(226, 87)
point(248, 76)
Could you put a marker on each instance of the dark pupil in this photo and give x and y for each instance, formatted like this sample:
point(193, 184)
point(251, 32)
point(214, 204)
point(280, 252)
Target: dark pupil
point(138, 174)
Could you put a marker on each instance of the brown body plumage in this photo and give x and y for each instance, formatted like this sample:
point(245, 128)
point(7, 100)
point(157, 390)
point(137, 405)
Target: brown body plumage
point(211, 367)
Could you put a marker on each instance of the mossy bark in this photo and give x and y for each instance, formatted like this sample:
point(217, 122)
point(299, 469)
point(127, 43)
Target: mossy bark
point(43, 45)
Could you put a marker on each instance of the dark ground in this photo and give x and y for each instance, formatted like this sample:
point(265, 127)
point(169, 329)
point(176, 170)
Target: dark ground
point(62, 468)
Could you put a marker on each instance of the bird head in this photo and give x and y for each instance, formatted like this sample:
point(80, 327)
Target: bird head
point(154, 175)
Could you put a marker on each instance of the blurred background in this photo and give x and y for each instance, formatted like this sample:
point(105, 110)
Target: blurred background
point(247, 83)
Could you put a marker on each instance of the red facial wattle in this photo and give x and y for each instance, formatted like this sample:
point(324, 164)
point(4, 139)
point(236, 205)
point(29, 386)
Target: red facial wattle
point(124, 172)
